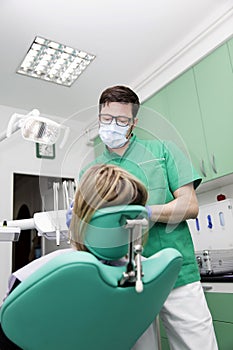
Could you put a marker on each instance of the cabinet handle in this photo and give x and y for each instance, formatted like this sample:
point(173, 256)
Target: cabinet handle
point(202, 167)
point(214, 165)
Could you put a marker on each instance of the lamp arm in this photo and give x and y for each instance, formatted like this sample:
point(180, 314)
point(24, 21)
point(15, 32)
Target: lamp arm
point(13, 125)
point(24, 224)
point(46, 223)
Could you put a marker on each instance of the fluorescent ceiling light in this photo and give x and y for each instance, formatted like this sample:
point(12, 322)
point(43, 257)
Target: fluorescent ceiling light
point(51, 61)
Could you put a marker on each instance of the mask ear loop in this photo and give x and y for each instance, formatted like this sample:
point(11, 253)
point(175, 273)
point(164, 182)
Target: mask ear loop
point(129, 133)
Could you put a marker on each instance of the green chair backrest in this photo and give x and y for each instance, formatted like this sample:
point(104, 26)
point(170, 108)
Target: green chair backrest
point(74, 302)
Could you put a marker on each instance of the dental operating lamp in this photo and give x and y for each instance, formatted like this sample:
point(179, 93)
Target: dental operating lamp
point(50, 224)
point(40, 130)
point(36, 128)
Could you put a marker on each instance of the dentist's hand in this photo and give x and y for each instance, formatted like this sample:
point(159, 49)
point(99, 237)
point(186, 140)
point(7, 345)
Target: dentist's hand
point(149, 211)
point(69, 214)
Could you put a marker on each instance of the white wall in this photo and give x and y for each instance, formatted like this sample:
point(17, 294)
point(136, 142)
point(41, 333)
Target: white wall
point(208, 192)
point(186, 54)
point(19, 156)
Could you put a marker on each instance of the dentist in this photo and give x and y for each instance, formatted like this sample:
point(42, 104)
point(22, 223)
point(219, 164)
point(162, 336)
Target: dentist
point(171, 182)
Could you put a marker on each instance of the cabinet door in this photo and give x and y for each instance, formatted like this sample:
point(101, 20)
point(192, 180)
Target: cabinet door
point(221, 308)
point(153, 121)
point(185, 115)
point(214, 79)
point(158, 103)
point(224, 335)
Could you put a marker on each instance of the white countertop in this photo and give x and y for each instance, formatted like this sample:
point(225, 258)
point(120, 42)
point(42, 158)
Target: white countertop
point(218, 287)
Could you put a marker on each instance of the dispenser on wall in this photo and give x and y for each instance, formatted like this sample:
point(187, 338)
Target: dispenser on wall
point(212, 234)
point(213, 228)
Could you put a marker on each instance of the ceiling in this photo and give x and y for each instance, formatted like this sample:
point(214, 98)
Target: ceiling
point(129, 38)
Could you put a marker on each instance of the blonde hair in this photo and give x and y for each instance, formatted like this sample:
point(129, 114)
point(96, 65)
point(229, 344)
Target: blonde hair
point(102, 186)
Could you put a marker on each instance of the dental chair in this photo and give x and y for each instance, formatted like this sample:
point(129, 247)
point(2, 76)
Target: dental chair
point(77, 302)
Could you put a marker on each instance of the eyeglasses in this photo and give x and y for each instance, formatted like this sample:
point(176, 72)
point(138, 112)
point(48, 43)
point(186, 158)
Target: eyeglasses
point(120, 120)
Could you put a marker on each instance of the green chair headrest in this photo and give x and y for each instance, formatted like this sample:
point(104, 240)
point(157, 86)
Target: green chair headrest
point(106, 236)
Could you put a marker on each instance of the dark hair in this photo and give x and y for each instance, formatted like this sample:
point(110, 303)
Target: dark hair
point(122, 94)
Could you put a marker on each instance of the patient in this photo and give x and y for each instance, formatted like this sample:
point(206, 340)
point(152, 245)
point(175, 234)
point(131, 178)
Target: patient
point(101, 186)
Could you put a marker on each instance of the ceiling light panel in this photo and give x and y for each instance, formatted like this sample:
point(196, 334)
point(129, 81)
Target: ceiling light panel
point(51, 61)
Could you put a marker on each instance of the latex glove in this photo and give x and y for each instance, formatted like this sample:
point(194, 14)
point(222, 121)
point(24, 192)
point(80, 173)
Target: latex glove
point(69, 214)
point(149, 211)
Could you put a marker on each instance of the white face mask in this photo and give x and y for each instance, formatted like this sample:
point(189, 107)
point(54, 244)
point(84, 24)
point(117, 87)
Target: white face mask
point(113, 135)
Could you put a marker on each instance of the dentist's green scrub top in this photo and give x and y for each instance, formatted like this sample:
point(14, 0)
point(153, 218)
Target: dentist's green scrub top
point(163, 168)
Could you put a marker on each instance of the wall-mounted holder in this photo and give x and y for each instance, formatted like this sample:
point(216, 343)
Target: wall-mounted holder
point(9, 234)
point(50, 224)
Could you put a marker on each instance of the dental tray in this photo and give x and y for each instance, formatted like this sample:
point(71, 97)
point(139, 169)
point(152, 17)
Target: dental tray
point(215, 262)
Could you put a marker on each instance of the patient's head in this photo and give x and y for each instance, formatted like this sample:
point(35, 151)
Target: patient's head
point(102, 186)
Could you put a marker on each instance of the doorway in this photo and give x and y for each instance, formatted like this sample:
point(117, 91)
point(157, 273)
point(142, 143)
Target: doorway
point(26, 202)
point(32, 194)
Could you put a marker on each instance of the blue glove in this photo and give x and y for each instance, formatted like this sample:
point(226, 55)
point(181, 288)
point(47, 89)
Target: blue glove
point(69, 214)
point(149, 211)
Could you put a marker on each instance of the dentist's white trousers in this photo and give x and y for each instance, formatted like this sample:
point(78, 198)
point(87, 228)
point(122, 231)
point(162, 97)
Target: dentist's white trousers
point(187, 320)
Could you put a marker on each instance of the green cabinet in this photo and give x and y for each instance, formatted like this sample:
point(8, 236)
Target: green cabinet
point(214, 81)
point(184, 112)
point(221, 308)
point(153, 120)
point(199, 104)
point(180, 105)
point(159, 101)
